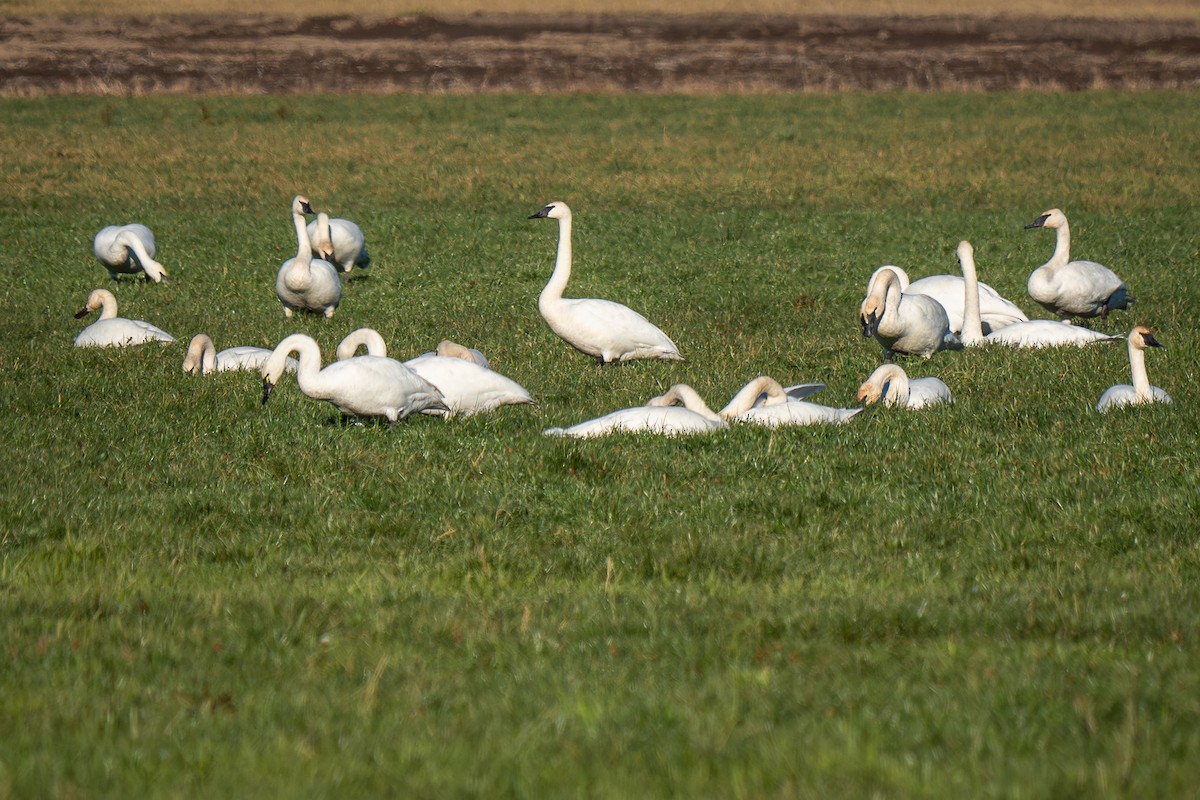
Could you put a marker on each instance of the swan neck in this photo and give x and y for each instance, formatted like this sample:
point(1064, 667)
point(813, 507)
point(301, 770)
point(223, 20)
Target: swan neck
point(304, 252)
point(562, 264)
point(693, 401)
point(1062, 246)
point(972, 329)
point(747, 396)
point(1137, 366)
point(108, 306)
point(308, 354)
point(896, 388)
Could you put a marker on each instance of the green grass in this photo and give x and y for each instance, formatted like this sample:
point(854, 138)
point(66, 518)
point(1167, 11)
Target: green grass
point(202, 596)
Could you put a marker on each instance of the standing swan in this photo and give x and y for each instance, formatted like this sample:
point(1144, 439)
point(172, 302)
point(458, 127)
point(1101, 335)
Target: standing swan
point(1141, 391)
point(111, 330)
point(339, 241)
point(305, 283)
point(904, 323)
point(202, 357)
point(764, 401)
point(128, 249)
point(1031, 333)
point(891, 385)
point(363, 386)
point(1073, 288)
point(660, 415)
point(601, 328)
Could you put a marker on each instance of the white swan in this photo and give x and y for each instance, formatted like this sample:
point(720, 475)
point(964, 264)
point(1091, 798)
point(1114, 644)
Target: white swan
point(1035, 333)
point(994, 310)
point(363, 337)
point(1141, 391)
point(128, 249)
point(764, 401)
point(601, 328)
point(363, 386)
point(904, 323)
point(1073, 288)
point(660, 415)
point(202, 357)
point(305, 283)
point(339, 241)
point(890, 385)
point(111, 330)
point(455, 350)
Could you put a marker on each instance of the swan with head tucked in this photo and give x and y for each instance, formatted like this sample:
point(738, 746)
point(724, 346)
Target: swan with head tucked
point(362, 386)
point(764, 401)
point(339, 241)
point(608, 331)
point(660, 416)
point(111, 330)
point(202, 357)
point(128, 249)
point(1141, 391)
point(305, 283)
point(1035, 333)
point(890, 385)
point(1073, 288)
point(904, 323)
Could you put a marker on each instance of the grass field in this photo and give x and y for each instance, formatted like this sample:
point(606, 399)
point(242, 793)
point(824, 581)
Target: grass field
point(204, 596)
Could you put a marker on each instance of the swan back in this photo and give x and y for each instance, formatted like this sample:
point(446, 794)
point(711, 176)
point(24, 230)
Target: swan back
point(466, 387)
point(455, 350)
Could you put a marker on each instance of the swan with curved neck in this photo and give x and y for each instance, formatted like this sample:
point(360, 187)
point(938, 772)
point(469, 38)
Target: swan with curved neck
point(202, 357)
point(1141, 391)
point(305, 283)
point(128, 249)
point(608, 331)
point(362, 386)
point(1073, 288)
point(660, 415)
point(339, 241)
point(1031, 333)
point(904, 323)
point(455, 350)
point(764, 401)
point(890, 385)
point(363, 337)
point(995, 310)
point(111, 330)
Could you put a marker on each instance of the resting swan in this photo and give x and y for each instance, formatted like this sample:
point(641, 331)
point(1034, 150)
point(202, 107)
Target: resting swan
point(904, 323)
point(608, 331)
point(363, 386)
point(128, 249)
point(764, 401)
point(890, 385)
point(111, 330)
point(660, 415)
point(339, 241)
point(305, 283)
point(1031, 333)
point(202, 357)
point(1073, 288)
point(1141, 391)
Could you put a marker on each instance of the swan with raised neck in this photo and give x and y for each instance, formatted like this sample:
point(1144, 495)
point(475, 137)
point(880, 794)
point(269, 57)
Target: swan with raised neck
point(1140, 392)
point(1073, 288)
point(113, 331)
point(305, 283)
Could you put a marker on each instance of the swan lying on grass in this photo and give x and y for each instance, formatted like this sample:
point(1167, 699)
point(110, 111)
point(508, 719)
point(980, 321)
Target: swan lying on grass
point(128, 249)
point(202, 358)
point(995, 311)
point(111, 330)
point(660, 415)
point(890, 385)
point(1141, 391)
point(764, 401)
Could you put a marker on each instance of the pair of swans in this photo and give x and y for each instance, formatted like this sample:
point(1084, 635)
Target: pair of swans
point(111, 330)
point(128, 249)
point(1073, 288)
point(1141, 391)
point(904, 322)
point(608, 331)
point(339, 241)
point(202, 357)
point(467, 385)
point(891, 386)
point(305, 283)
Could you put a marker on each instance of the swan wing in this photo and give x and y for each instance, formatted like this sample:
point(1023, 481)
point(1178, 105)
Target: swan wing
point(666, 420)
point(1047, 333)
point(610, 330)
point(467, 387)
point(803, 390)
point(797, 413)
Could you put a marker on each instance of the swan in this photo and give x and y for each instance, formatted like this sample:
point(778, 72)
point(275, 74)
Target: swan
point(995, 310)
point(904, 323)
point(660, 415)
point(339, 241)
point(202, 357)
point(305, 283)
point(1031, 333)
point(891, 385)
point(1073, 288)
point(362, 386)
point(601, 328)
point(764, 401)
point(455, 350)
point(128, 249)
point(1141, 391)
point(368, 337)
point(111, 330)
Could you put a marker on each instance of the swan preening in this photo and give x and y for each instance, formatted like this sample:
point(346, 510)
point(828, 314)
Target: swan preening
point(339, 241)
point(603, 329)
point(305, 283)
point(913, 324)
point(1073, 288)
point(1141, 391)
point(202, 357)
point(128, 249)
point(660, 416)
point(361, 386)
point(890, 385)
point(764, 401)
point(111, 330)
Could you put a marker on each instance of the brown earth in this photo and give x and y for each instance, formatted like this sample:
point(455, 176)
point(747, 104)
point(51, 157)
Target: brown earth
point(253, 54)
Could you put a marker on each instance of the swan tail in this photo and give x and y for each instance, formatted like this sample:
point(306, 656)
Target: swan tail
point(554, 432)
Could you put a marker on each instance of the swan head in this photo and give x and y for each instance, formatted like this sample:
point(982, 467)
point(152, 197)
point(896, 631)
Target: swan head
point(267, 387)
point(99, 298)
point(869, 314)
point(555, 210)
point(886, 383)
point(154, 271)
point(1054, 218)
point(965, 251)
point(1141, 338)
point(300, 205)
